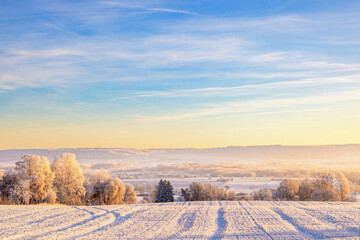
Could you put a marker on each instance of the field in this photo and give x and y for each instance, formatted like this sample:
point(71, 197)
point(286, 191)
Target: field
point(195, 220)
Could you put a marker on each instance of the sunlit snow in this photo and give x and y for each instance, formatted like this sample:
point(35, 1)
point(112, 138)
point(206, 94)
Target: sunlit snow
point(184, 220)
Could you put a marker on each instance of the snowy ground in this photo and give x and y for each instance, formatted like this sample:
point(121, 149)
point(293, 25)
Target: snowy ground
point(197, 220)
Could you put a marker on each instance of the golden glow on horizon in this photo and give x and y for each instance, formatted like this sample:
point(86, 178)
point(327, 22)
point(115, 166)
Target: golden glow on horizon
point(316, 129)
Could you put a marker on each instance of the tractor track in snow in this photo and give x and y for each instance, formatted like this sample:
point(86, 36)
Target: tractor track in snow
point(191, 220)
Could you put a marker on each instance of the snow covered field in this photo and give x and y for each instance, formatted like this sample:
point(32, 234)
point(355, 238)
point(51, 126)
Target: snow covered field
point(195, 220)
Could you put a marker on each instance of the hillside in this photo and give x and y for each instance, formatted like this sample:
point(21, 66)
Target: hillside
point(205, 155)
point(196, 220)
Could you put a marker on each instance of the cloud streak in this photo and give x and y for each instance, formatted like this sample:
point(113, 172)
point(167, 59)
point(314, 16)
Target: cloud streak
point(264, 106)
point(144, 6)
point(251, 88)
point(228, 49)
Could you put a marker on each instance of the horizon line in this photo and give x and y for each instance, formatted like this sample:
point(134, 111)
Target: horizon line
point(181, 148)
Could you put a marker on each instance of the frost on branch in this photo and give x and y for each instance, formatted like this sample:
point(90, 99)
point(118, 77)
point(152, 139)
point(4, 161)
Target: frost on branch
point(69, 179)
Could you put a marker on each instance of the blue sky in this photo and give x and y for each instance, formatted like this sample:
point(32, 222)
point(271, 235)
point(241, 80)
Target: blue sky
point(178, 73)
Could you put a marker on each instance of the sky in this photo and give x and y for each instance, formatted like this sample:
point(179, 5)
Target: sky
point(174, 74)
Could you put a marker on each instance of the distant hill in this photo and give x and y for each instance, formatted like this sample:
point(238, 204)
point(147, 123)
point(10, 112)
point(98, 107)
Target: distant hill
point(272, 152)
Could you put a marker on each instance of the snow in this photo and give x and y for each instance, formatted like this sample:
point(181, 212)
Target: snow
point(184, 220)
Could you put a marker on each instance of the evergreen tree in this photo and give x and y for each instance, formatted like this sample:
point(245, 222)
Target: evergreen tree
point(169, 192)
point(164, 192)
point(186, 194)
point(160, 192)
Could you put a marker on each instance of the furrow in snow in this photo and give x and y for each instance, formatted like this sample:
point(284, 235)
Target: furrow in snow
point(190, 220)
point(345, 219)
point(311, 225)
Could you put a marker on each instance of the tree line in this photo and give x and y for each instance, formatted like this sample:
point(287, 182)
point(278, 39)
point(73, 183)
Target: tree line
point(325, 187)
point(34, 180)
point(195, 192)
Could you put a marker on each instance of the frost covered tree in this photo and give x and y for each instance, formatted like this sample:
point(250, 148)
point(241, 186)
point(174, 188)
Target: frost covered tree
point(344, 187)
point(37, 171)
point(214, 192)
point(324, 188)
point(164, 192)
point(130, 194)
point(114, 191)
point(29, 182)
point(208, 192)
point(306, 189)
point(264, 194)
point(195, 192)
point(92, 181)
point(15, 188)
point(198, 191)
point(102, 189)
point(140, 188)
point(288, 189)
point(51, 196)
point(231, 195)
point(109, 192)
point(69, 179)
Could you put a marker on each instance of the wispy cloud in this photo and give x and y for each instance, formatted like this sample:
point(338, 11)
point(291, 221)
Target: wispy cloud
point(227, 49)
point(251, 89)
point(144, 6)
point(264, 106)
point(170, 10)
